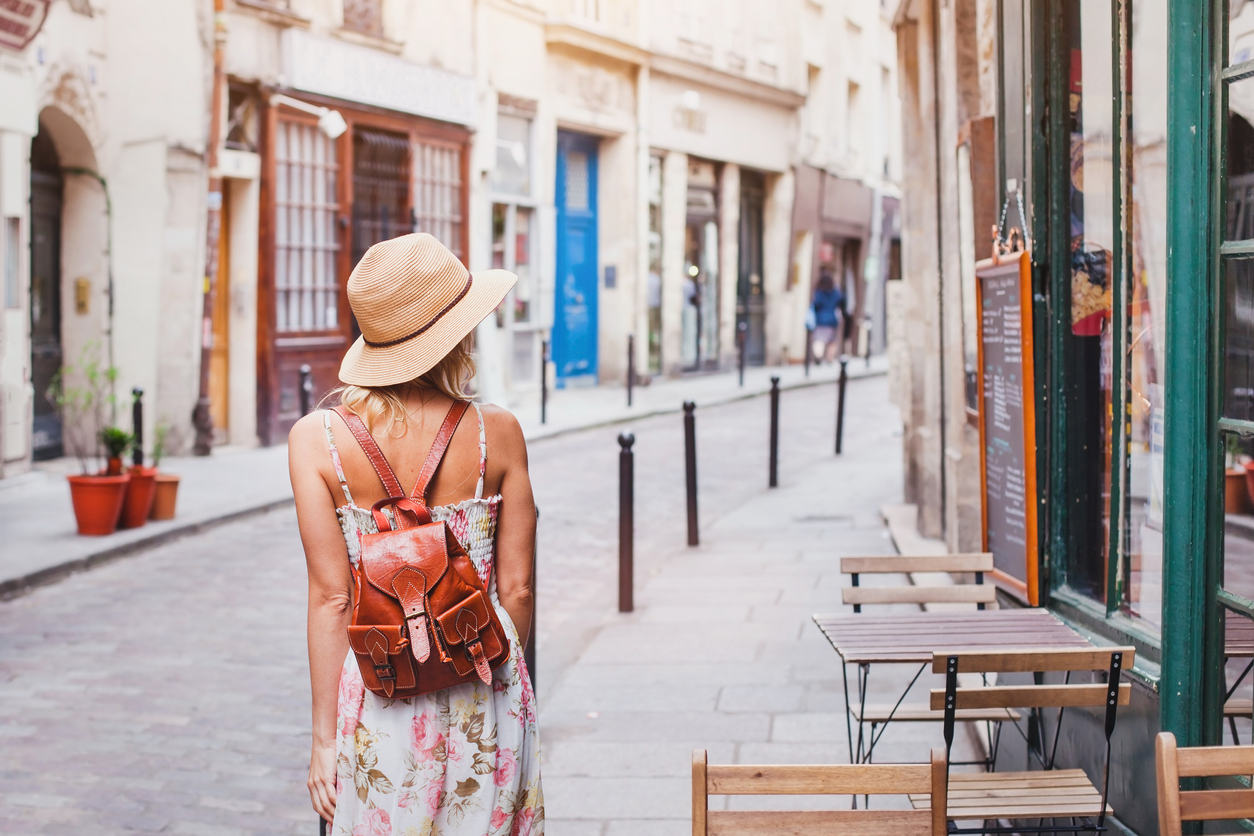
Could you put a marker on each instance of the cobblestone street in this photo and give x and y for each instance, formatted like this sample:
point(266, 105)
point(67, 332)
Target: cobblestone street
point(168, 692)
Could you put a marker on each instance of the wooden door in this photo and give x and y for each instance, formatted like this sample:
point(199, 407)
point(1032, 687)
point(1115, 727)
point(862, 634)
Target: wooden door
point(45, 292)
point(575, 325)
point(219, 354)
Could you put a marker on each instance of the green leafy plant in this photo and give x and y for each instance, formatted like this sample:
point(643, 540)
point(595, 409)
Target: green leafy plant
point(160, 436)
point(81, 393)
point(116, 441)
point(1233, 451)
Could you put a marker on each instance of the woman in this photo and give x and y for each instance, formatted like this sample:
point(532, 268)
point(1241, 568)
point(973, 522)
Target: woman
point(464, 760)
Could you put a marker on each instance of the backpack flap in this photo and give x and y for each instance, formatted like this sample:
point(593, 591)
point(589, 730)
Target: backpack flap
point(380, 652)
point(468, 630)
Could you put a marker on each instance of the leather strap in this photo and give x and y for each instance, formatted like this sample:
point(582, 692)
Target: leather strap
point(386, 475)
point(371, 448)
point(410, 586)
point(438, 449)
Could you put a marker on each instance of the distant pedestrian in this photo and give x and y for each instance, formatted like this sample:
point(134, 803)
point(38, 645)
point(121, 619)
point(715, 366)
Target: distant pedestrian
point(828, 308)
point(465, 759)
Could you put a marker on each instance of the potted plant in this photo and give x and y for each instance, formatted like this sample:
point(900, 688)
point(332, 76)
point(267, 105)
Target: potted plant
point(80, 395)
point(166, 485)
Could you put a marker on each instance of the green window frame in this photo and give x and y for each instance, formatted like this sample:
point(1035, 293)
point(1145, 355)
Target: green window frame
point(1050, 165)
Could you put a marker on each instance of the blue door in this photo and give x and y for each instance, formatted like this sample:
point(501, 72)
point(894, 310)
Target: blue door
point(575, 308)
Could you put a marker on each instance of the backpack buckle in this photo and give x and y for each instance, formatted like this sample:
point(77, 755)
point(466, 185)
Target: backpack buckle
point(385, 672)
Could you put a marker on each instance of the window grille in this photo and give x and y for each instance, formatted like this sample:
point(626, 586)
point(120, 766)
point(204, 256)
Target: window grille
point(307, 289)
point(437, 173)
point(365, 16)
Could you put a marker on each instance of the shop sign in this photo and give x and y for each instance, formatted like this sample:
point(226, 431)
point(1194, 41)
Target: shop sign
point(358, 74)
point(20, 22)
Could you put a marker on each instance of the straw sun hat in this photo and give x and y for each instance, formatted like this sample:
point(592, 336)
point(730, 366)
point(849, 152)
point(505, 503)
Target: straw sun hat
point(414, 302)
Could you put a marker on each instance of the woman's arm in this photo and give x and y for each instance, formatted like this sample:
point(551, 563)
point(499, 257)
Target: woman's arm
point(516, 525)
point(330, 595)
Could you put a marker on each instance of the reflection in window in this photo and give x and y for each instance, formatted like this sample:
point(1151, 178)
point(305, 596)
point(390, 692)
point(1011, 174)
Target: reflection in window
point(1146, 298)
point(524, 290)
point(1087, 361)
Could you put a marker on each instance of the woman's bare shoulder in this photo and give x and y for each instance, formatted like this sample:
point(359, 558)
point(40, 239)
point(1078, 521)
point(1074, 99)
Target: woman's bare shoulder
point(306, 435)
point(505, 434)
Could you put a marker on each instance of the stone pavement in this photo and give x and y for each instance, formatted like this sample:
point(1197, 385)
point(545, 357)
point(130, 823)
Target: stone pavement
point(169, 692)
point(35, 513)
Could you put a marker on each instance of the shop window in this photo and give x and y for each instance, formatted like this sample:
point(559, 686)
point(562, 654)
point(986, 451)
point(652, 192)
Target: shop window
point(437, 184)
point(654, 290)
point(1113, 348)
point(380, 188)
point(306, 236)
point(512, 174)
point(364, 16)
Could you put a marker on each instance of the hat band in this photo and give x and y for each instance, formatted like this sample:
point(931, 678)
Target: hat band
point(389, 343)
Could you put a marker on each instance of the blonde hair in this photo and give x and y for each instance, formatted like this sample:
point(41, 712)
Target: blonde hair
point(373, 404)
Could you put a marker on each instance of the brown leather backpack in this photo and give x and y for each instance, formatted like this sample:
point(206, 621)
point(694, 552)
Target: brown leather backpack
point(422, 620)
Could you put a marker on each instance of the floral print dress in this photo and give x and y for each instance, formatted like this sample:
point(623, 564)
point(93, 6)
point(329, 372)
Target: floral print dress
point(463, 761)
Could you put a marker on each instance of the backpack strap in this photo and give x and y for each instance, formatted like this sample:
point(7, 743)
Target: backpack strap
point(438, 448)
point(371, 448)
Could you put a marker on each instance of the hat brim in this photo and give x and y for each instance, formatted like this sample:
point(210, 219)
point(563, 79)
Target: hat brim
point(366, 365)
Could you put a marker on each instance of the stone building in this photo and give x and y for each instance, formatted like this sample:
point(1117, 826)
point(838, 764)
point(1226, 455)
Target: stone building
point(666, 173)
point(102, 194)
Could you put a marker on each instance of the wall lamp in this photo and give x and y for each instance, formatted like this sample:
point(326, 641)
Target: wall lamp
point(330, 122)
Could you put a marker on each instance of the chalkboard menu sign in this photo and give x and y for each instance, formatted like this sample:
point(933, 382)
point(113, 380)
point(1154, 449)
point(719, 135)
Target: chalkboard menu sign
point(1008, 421)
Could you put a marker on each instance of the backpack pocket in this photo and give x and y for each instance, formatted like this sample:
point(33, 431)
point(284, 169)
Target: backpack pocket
point(476, 642)
point(382, 654)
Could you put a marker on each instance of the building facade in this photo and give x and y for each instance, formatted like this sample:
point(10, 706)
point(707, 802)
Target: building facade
point(670, 177)
point(102, 195)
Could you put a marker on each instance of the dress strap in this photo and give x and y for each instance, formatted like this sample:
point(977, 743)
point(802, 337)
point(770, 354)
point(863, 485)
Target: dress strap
point(335, 456)
point(483, 451)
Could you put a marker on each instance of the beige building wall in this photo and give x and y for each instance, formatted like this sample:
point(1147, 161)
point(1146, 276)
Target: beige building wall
point(130, 142)
point(932, 313)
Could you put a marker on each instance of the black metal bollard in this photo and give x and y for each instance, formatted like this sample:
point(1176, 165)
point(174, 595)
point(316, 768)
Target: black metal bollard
point(840, 402)
point(809, 348)
point(544, 379)
point(626, 526)
point(306, 389)
point(742, 337)
point(690, 470)
point(774, 476)
point(631, 365)
point(137, 427)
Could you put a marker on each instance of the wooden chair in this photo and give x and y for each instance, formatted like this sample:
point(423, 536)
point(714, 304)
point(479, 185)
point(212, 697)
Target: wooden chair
point(977, 593)
point(1173, 764)
point(1051, 793)
point(914, 780)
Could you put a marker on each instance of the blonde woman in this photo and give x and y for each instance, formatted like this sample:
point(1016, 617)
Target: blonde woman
point(464, 760)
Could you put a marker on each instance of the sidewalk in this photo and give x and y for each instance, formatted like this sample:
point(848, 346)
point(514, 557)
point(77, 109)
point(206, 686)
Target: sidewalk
point(721, 654)
point(41, 546)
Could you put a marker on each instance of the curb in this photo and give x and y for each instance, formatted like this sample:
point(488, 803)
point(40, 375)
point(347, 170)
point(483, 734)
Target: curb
point(745, 396)
point(19, 586)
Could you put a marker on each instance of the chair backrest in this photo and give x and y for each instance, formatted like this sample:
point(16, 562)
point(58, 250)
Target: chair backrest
point(1173, 764)
point(835, 779)
point(978, 593)
point(1110, 694)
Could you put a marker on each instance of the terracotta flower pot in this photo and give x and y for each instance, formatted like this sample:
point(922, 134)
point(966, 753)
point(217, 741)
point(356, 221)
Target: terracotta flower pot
point(139, 497)
point(164, 496)
point(1247, 496)
point(113, 466)
point(98, 502)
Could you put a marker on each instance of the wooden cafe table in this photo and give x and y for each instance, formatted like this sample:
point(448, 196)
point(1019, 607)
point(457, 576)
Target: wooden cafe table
point(911, 638)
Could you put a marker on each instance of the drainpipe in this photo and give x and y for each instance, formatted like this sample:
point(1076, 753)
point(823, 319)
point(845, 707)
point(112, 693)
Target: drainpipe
point(940, 259)
point(202, 420)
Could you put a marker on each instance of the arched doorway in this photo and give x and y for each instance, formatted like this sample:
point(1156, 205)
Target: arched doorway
point(46, 194)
